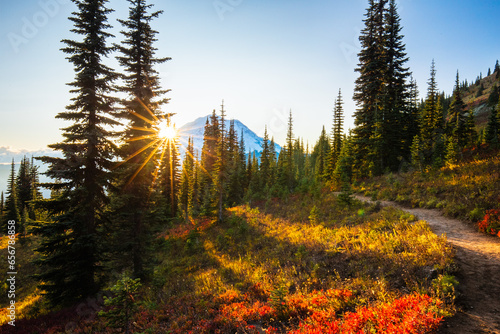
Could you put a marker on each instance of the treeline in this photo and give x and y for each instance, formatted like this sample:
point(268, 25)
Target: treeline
point(22, 190)
point(224, 175)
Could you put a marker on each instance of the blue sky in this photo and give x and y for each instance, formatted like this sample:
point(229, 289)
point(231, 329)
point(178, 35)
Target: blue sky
point(262, 57)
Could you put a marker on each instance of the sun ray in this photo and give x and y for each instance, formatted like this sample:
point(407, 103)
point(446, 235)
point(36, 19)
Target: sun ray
point(143, 164)
point(143, 129)
point(141, 117)
point(148, 110)
point(137, 152)
point(141, 137)
point(166, 130)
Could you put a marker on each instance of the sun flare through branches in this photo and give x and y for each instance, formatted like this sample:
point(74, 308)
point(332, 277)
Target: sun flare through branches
point(165, 130)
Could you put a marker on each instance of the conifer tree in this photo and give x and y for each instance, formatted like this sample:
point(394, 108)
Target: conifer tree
point(141, 111)
point(396, 91)
point(243, 166)
point(2, 204)
point(35, 181)
point(480, 90)
point(169, 174)
point(25, 192)
point(220, 167)
point(253, 175)
point(186, 182)
point(272, 162)
point(336, 139)
point(431, 122)
point(411, 120)
point(492, 132)
point(195, 189)
point(368, 93)
point(320, 155)
point(208, 157)
point(24, 185)
point(494, 95)
point(497, 67)
point(265, 162)
point(210, 139)
point(343, 174)
point(429, 115)
point(470, 129)
point(11, 209)
point(71, 247)
point(235, 168)
point(288, 167)
point(457, 119)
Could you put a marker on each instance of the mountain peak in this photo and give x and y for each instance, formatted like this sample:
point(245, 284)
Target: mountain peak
point(196, 129)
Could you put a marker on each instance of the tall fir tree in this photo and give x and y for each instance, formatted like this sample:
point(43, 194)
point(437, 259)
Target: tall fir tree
point(337, 130)
point(457, 120)
point(369, 89)
point(134, 177)
point(186, 182)
point(289, 167)
point(411, 120)
point(220, 166)
point(381, 93)
point(11, 208)
point(431, 141)
point(208, 157)
point(265, 162)
point(71, 245)
point(395, 110)
point(235, 167)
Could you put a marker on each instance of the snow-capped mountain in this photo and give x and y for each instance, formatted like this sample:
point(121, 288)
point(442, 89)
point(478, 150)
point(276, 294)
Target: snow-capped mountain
point(195, 129)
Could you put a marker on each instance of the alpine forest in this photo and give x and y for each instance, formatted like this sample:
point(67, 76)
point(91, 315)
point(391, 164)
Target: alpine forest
point(389, 222)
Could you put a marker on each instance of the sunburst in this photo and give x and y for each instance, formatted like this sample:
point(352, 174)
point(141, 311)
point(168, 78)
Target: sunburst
point(160, 136)
point(165, 130)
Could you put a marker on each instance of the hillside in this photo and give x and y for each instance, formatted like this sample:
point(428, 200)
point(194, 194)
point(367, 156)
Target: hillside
point(306, 264)
point(477, 97)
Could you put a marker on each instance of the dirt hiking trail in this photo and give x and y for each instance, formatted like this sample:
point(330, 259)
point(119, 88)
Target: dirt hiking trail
point(478, 257)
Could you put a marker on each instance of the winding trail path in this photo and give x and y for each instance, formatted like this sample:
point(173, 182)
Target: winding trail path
point(478, 257)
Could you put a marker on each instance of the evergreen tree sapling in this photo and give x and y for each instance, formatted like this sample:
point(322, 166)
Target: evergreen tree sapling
point(122, 306)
